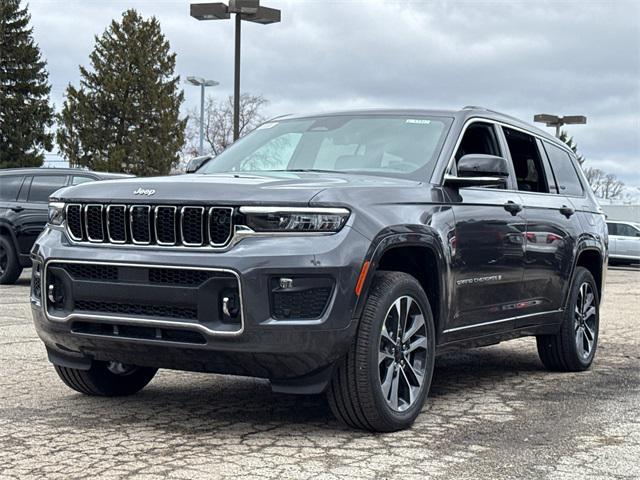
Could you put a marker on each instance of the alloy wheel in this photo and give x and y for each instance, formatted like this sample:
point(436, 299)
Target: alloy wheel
point(402, 356)
point(585, 320)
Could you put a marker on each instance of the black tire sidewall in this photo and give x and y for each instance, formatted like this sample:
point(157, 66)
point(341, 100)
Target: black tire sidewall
point(406, 286)
point(582, 275)
point(13, 270)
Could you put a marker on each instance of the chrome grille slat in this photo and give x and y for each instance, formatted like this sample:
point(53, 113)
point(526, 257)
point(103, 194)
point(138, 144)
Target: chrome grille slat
point(192, 218)
point(189, 226)
point(94, 226)
point(140, 224)
point(74, 221)
point(117, 223)
point(165, 224)
point(220, 221)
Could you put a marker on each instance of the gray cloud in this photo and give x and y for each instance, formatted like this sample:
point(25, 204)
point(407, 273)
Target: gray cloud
point(520, 57)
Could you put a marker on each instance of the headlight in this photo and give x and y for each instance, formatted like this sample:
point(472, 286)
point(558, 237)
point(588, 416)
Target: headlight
point(56, 213)
point(295, 219)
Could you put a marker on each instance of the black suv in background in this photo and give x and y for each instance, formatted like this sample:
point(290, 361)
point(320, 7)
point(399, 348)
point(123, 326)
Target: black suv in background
point(24, 198)
point(333, 253)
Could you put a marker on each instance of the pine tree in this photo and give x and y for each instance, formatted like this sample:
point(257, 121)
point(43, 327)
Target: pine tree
point(25, 113)
point(568, 140)
point(124, 116)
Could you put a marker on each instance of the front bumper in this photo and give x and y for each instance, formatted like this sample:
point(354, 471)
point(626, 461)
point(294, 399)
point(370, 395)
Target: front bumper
point(264, 346)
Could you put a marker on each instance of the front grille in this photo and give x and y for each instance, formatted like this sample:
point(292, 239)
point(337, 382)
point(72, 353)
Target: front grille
point(142, 293)
point(126, 309)
point(163, 225)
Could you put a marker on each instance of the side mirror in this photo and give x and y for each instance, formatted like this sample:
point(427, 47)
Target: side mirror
point(479, 170)
point(195, 163)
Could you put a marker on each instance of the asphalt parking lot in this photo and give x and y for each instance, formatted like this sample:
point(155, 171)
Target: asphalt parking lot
point(492, 413)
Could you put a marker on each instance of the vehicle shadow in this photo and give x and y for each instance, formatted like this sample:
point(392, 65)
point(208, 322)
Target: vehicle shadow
point(208, 403)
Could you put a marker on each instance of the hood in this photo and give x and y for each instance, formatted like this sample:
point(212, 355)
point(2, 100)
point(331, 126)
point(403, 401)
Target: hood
point(225, 188)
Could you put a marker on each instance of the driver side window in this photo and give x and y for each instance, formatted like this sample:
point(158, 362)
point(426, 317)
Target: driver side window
point(479, 138)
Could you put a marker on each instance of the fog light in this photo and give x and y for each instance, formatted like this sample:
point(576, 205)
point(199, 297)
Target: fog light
point(55, 293)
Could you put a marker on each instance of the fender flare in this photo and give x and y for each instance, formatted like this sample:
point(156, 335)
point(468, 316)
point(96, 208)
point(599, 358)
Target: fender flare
point(406, 236)
point(584, 245)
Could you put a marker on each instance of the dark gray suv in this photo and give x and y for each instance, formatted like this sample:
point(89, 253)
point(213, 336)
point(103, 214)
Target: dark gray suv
point(335, 253)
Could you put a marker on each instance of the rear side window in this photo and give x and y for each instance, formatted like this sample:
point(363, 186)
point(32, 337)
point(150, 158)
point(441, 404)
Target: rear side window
point(9, 187)
point(527, 161)
point(626, 230)
point(78, 179)
point(44, 185)
point(564, 171)
point(612, 228)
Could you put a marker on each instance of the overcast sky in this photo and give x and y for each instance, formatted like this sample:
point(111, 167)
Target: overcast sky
point(519, 57)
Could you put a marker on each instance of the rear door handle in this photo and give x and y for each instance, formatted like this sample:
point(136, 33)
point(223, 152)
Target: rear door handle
point(17, 208)
point(567, 211)
point(512, 207)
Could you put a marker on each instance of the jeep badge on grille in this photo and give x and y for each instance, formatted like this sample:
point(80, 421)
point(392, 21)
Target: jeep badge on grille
point(144, 191)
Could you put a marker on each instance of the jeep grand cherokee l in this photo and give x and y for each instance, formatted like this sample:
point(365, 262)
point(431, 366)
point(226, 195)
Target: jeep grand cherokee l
point(334, 253)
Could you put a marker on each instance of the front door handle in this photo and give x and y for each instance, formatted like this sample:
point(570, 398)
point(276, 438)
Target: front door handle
point(512, 207)
point(567, 211)
point(17, 208)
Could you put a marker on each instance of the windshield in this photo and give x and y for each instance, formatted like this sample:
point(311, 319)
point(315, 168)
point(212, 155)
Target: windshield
point(385, 145)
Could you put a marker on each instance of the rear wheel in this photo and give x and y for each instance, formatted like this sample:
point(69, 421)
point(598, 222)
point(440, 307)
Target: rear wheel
point(10, 268)
point(574, 347)
point(107, 379)
point(382, 383)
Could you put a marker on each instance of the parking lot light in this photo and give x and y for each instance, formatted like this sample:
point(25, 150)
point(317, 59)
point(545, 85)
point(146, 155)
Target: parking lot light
point(557, 121)
point(249, 10)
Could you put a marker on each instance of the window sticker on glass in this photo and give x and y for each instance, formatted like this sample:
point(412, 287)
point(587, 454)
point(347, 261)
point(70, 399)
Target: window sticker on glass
point(418, 121)
point(264, 126)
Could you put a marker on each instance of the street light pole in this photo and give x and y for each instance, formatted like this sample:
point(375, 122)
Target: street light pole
point(557, 121)
point(236, 82)
point(202, 83)
point(249, 10)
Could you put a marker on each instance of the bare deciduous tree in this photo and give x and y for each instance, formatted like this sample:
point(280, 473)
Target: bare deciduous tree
point(218, 122)
point(604, 185)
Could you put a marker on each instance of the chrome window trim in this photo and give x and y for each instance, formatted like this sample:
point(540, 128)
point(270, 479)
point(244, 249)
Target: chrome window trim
point(86, 222)
point(480, 119)
point(155, 225)
point(111, 240)
point(66, 212)
point(139, 321)
point(191, 244)
point(133, 238)
point(231, 226)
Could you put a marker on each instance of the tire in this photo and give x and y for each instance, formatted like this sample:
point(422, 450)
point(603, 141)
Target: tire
point(361, 393)
point(10, 268)
point(100, 379)
point(567, 350)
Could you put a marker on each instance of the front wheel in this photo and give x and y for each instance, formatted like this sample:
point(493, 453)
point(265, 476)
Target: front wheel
point(574, 347)
point(106, 379)
point(382, 383)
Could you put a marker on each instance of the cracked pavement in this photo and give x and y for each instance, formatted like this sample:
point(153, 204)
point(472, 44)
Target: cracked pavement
point(492, 412)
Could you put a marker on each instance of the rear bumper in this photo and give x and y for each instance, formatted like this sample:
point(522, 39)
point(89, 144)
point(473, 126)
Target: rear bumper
point(267, 347)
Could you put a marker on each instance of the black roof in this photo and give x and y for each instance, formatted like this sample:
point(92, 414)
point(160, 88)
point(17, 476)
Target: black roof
point(60, 171)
